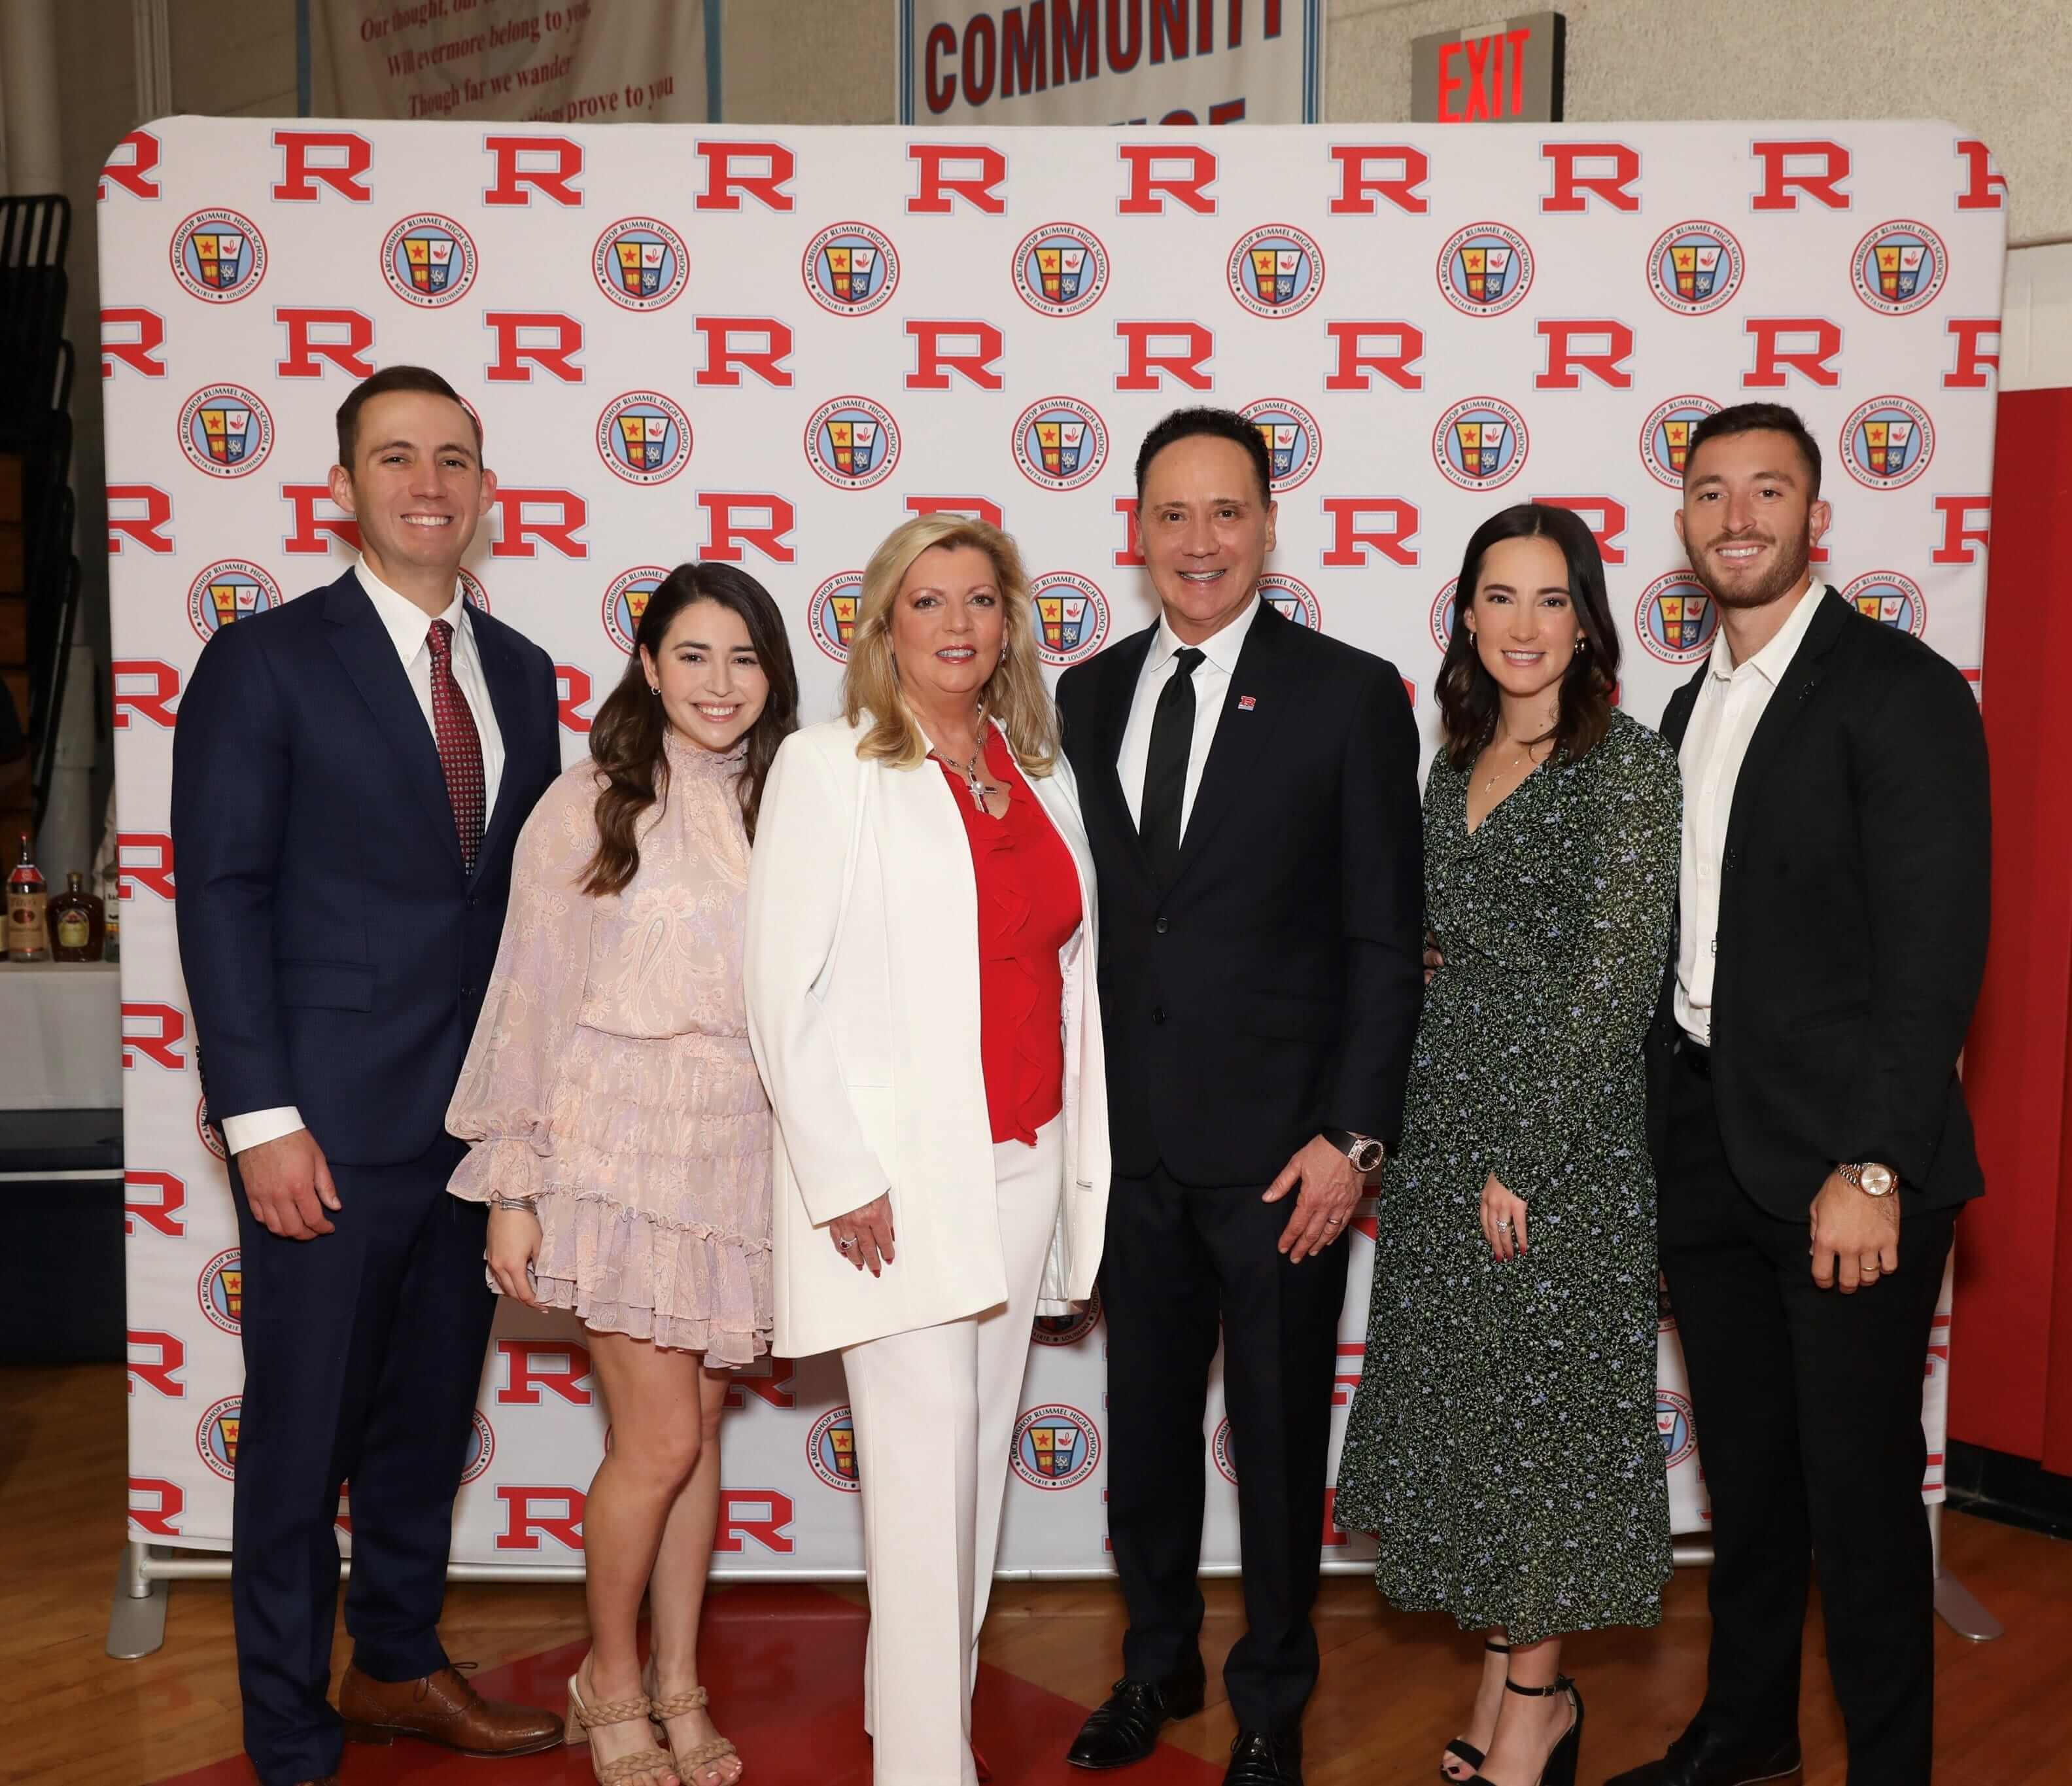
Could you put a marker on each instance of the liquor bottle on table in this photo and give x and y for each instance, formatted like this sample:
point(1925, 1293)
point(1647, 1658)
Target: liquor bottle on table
point(78, 922)
point(28, 901)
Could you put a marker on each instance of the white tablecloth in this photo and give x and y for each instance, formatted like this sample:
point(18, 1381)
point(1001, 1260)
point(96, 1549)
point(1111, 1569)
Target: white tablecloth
point(61, 1036)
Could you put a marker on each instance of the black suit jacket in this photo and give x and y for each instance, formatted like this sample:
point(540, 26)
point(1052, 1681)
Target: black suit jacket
point(335, 946)
point(1853, 910)
point(1272, 988)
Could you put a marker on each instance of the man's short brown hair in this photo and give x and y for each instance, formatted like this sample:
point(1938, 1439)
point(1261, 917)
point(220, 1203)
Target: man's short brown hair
point(393, 378)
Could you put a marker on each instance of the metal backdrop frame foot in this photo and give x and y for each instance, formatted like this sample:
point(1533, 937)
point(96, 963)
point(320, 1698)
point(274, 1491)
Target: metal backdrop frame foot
point(137, 1620)
point(1957, 1606)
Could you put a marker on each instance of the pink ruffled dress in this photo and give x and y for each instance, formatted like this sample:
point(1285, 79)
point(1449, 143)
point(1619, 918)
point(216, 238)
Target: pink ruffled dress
point(610, 1077)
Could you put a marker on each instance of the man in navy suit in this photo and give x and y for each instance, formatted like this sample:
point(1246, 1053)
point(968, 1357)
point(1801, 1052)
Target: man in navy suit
point(350, 774)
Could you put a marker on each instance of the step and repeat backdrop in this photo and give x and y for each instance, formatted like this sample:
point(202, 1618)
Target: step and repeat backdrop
point(771, 347)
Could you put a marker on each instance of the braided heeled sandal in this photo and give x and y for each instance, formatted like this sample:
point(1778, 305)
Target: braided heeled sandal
point(643, 1766)
point(708, 1753)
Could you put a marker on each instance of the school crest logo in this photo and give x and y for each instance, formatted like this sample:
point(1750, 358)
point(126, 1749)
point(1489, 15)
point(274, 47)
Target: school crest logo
point(206, 1129)
point(1887, 443)
point(1060, 442)
point(472, 592)
point(1694, 267)
point(219, 255)
point(1220, 1449)
point(481, 1448)
point(1672, 1420)
point(1060, 270)
point(852, 442)
point(626, 600)
point(1294, 599)
point(1072, 617)
point(850, 268)
point(1055, 1446)
point(639, 263)
point(1068, 1330)
point(1675, 619)
point(644, 438)
point(1277, 271)
point(1891, 598)
point(1445, 616)
point(831, 1450)
point(221, 1291)
point(1480, 443)
point(833, 617)
point(216, 1436)
point(1485, 269)
point(1294, 443)
point(231, 589)
point(1899, 267)
point(225, 431)
point(429, 261)
point(1665, 437)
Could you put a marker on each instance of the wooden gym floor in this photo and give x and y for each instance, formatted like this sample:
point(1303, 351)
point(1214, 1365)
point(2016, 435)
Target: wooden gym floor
point(784, 1663)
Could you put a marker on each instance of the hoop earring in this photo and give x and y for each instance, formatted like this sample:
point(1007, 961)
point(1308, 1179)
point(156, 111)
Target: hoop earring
point(654, 689)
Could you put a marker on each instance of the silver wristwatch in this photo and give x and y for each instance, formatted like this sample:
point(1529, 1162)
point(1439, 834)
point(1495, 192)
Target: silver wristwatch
point(1364, 1151)
point(1870, 1178)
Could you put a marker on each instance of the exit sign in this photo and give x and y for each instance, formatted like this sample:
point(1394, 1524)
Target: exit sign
point(1507, 73)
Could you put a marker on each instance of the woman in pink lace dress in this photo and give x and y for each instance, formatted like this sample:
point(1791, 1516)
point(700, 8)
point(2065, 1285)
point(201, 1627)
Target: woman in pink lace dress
point(622, 1136)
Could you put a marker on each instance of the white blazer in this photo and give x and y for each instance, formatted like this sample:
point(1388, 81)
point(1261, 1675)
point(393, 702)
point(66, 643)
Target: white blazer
point(863, 1010)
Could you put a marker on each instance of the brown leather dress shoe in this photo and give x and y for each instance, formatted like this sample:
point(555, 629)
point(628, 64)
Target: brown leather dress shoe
point(441, 1708)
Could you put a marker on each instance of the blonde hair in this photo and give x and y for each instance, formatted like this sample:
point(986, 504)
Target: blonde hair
point(1015, 694)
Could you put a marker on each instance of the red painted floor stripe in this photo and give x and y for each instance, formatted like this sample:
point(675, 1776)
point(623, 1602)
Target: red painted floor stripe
point(785, 1665)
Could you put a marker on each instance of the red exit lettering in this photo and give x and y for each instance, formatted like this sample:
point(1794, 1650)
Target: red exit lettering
point(1481, 80)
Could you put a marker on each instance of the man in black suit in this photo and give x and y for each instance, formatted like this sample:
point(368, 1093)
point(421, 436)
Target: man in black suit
point(350, 774)
point(1802, 1085)
point(1249, 788)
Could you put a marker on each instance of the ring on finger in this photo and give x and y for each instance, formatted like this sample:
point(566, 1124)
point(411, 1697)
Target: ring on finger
point(1503, 1224)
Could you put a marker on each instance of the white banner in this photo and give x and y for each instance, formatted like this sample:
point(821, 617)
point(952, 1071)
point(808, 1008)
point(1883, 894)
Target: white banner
point(579, 61)
point(1169, 62)
point(817, 334)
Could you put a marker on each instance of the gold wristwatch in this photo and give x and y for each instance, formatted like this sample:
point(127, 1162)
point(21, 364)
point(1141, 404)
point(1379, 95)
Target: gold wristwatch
point(1871, 1179)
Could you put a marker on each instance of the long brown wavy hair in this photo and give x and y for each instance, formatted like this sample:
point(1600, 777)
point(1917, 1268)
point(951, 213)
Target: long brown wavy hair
point(626, 740)
point(1468, 696)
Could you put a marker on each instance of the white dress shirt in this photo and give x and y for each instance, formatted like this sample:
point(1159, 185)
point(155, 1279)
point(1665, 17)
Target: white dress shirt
point(1729, 706)
point(1212, 680)
point(410, 630)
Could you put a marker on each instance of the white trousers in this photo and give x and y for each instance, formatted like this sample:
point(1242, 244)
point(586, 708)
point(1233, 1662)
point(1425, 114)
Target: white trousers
point(933, 1412)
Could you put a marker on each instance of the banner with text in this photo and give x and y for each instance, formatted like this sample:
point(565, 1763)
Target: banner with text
point(1171, 62)
point(769, 348)
point(577, 61)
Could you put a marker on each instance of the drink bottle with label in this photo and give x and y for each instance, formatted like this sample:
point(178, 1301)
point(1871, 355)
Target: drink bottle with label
point(28, 916)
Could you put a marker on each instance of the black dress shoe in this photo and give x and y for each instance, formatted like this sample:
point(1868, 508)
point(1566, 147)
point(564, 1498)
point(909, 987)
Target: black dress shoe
point(1124, 1726)
point(1259, 1758)
point(1701, 1758)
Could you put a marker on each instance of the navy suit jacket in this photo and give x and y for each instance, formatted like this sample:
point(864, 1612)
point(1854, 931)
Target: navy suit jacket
point(335, 946)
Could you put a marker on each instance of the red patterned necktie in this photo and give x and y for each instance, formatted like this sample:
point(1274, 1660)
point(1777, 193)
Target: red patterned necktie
point(460, 744)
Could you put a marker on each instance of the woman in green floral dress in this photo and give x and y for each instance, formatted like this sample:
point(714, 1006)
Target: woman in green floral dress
point(1503, 1446)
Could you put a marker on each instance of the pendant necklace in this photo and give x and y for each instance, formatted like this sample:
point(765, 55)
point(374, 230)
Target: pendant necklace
point(973, 785)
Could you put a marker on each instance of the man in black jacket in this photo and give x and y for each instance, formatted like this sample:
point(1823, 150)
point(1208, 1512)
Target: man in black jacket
point(1803, 1086)
point(1249, 788)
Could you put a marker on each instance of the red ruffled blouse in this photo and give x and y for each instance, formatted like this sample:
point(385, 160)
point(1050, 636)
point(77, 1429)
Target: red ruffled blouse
point(1028, 908)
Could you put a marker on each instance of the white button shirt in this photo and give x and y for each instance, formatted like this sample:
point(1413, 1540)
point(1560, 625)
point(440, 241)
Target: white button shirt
point(1730, 705)
point(409, 631)
point(1212, 681)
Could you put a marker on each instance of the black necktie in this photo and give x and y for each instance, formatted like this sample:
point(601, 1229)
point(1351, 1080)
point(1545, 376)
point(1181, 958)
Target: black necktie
point(1165, 769)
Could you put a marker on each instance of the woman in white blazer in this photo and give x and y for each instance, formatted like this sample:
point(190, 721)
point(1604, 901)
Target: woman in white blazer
point(922, 1003)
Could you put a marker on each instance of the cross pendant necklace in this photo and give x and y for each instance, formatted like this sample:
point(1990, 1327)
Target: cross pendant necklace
point(973, 784)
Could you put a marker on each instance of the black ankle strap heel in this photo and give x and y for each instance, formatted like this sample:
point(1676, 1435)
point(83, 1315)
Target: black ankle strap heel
point(1461, 1748)
point(1560, 1767)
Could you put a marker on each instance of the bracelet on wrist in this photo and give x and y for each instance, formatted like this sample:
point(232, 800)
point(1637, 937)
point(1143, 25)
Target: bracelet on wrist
point(498, 1201)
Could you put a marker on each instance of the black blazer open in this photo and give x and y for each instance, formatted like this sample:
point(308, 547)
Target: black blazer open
point(1853, 912)
point(1272, 988)
point(335, 949)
